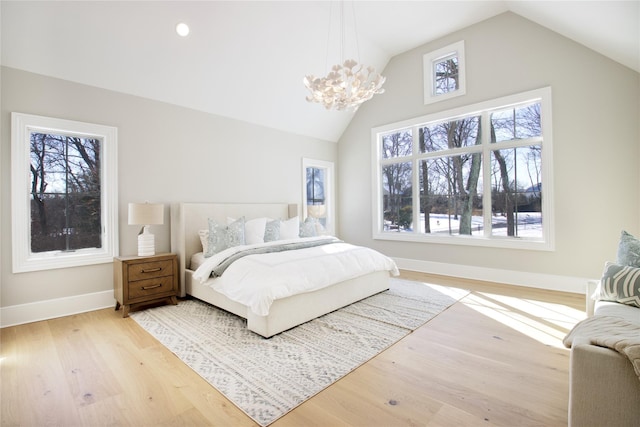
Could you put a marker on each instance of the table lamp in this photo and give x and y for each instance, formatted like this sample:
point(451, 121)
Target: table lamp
point(146, 214)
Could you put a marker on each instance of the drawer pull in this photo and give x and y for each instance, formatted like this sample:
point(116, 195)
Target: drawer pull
point(146, 288)
point(152, 270)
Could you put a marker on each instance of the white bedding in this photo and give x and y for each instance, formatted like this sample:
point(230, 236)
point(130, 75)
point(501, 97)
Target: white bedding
point(257, 280)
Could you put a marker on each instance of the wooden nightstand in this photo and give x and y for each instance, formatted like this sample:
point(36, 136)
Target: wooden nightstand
point(145, 279)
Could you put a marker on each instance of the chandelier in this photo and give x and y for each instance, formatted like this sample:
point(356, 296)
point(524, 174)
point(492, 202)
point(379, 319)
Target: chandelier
point(347, 85)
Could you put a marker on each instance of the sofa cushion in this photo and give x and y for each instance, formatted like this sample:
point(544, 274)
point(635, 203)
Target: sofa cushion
point(628, 250)
point(629, 313)
point(619, 283)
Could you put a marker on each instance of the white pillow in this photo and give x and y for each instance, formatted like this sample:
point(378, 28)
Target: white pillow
point(254, 231)
point(290, 228)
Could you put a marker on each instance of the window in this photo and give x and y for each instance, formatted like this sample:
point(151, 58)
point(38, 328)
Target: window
point(64, 193)
point(444, 73)
point(317, 194)
point(478, 175)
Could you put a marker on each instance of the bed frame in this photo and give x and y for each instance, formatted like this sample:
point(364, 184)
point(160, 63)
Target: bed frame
point(188, 218)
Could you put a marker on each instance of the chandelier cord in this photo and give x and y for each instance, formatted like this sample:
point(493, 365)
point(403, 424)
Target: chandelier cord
point(355, 30)
point(326, 58)
point(342, 26)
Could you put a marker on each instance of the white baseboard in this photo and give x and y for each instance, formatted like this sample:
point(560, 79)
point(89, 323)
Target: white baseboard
point(50, 309)
point(510, 277)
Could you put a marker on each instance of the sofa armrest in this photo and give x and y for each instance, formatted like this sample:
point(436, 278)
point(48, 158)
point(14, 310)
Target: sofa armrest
point(603, 388)
point(590, 302)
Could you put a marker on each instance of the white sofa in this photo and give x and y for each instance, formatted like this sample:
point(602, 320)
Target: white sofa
point(604, 389)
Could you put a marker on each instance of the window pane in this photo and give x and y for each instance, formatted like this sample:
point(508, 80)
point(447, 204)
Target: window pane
point(516, 123)
point(397, 144)
point(397, 197)
point(451, 195)
point(446, 75)
point(516, 195)
point(449, 135)
point(65, 193)
point(315, 186)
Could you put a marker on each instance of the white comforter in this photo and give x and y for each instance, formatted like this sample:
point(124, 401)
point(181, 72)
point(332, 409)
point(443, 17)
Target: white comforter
point(257, 280)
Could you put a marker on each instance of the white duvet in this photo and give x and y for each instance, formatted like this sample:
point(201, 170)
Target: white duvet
point(258, 280)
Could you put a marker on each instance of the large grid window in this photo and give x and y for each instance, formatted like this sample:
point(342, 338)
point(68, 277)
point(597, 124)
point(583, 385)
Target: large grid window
point(478, 175)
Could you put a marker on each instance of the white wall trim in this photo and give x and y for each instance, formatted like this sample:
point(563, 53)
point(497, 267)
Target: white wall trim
point(50, 309)
point(510, 277)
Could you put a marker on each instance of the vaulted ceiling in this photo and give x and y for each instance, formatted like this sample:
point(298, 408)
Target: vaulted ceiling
point(246, 60)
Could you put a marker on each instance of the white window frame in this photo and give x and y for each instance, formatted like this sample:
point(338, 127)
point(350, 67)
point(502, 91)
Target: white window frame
point(546, 243)
point(22, 125)
point(329, 191)
point(429, 62)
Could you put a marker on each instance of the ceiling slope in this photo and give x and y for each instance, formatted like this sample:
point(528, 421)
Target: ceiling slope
point(246, 60)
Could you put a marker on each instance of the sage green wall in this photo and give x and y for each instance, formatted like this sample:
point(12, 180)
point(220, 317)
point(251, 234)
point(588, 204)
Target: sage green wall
point(165, 154)
point(596, 140)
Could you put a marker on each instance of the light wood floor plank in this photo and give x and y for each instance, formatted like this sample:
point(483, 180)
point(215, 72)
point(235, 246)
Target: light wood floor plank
point(494, 358)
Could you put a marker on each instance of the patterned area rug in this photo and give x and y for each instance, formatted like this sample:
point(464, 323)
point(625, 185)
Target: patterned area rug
point(266, 378)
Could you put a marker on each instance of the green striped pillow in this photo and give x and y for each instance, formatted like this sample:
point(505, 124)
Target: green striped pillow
point(619, 283)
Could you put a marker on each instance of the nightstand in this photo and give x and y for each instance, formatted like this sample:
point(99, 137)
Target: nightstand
point(144, 279)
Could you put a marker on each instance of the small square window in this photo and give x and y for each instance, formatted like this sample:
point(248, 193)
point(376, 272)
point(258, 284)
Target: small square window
point(444, 74)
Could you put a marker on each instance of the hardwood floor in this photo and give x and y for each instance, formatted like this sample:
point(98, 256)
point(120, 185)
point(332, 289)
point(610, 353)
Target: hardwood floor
point(493, 358)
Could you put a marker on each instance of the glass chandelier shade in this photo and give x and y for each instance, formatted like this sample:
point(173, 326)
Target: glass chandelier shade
point(346, 86)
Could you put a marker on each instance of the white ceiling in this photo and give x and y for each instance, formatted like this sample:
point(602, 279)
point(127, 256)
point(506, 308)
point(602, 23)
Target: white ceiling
point(246, 60)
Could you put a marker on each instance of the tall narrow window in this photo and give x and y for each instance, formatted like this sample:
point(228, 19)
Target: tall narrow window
point(317, 194)
point(444, 73)
point(64, 193)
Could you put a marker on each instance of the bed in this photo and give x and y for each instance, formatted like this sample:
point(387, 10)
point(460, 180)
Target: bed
point(188, 219)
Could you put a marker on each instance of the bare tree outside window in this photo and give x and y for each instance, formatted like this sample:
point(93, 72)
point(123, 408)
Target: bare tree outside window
point(396, 181)
point(478, 174)
point(65, 193)
point(516, 173)
point(446, 75)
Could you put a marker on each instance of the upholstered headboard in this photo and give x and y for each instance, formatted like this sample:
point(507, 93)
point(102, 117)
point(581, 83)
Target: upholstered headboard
point(188, 218)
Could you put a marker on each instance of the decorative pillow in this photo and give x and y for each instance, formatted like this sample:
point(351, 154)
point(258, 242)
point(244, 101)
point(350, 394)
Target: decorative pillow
point(253, 230)
point(628, 250)
point(272, 230)
point(221, 237)
point(204, 239)
point(619, 283)
point(308, 227)
point(290, 229)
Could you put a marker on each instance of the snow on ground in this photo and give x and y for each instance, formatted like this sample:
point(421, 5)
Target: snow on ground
point(529, 224)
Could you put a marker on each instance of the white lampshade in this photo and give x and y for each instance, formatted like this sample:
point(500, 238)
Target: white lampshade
point(146, 214)
point(316, 211)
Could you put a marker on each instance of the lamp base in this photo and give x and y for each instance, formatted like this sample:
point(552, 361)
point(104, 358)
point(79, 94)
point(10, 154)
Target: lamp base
point(146, 243)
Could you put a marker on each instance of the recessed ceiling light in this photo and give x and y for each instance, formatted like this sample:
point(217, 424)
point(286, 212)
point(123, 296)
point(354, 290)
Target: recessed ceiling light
point(182, 29)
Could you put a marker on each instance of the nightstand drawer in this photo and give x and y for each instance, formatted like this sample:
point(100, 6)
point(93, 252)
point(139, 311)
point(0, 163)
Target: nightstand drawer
point(150, 287)
point(151, 269)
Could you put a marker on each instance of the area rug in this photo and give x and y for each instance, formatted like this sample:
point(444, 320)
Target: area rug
point(266, 378)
